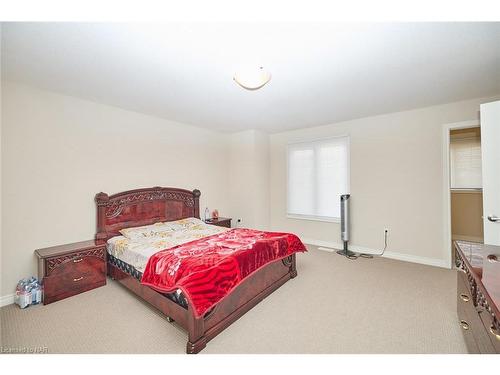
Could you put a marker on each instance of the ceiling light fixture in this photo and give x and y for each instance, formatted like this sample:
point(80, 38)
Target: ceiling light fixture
point(252, 79)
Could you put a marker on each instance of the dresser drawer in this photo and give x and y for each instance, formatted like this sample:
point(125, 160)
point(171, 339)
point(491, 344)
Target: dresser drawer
point(472, 320)
point(466, 312)
point(478, 282)
point(464, 294)
point(469, 338)
point(492, 334)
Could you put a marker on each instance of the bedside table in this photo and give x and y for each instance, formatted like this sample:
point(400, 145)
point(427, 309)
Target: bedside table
point(71, 269)
point(221, 222)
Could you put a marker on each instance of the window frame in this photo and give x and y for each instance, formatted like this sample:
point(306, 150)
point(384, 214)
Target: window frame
point(326, 219)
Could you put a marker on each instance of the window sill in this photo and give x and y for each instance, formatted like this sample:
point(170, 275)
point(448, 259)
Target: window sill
point(314, 218)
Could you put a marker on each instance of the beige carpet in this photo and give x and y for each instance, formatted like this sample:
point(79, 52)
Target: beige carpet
point(334, 306)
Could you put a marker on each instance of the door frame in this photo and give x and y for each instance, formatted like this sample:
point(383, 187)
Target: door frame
point(446, 182)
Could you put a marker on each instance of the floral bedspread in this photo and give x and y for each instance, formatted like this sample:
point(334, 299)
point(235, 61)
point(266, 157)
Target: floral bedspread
point(208, 269)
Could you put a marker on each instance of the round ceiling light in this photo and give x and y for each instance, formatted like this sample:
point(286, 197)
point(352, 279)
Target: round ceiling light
point(252, 79)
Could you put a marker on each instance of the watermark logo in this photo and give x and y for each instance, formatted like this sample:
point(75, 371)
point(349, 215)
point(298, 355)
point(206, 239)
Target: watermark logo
point(24, 350)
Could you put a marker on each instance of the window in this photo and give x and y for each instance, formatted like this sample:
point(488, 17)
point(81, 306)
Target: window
point(465, 162)
point(318, 173)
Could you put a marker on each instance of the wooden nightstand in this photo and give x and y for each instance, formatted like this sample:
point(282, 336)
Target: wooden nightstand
point(71, 269)
point(221, 222)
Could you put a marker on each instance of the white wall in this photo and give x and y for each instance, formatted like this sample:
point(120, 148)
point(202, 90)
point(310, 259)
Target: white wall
point(249, 178)
point(58, 151)
point(396, 181)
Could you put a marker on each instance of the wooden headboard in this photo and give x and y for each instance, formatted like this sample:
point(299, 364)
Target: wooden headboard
point(138, 207)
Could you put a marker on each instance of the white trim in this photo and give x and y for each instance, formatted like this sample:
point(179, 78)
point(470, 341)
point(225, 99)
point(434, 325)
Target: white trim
point(314, 218)
point(467, 191)
point(6, 300)
point(459, 237)
point(333, 246)
point(442, 263)
point(446, 183)
point(326, 249)
point(306, 140)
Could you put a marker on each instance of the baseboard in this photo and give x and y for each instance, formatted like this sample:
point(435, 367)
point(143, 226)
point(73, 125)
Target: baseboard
point(436, 262)
point(6, 300)
point(334, 246)
point(459, 237)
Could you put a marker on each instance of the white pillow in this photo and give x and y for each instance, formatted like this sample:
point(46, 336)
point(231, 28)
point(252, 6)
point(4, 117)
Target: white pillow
point(161, 229)
point(147, 231)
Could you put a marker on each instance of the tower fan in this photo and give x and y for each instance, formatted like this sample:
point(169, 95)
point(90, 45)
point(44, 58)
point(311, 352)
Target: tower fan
point(345, 232)
point(344, 226)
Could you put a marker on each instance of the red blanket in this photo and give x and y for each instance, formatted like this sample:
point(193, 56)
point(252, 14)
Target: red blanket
point(206, 270)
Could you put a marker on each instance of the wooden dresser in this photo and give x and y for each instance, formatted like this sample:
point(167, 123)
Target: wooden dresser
point(71, 269)
point(478, 295)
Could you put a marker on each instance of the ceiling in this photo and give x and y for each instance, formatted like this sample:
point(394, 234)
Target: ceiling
point(321, 73)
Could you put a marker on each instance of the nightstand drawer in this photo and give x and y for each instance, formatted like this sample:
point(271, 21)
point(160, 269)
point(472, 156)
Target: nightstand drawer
point(72, 278)
point(220, 222)
point(61, 264)
point(226, 224)
point(67, 270)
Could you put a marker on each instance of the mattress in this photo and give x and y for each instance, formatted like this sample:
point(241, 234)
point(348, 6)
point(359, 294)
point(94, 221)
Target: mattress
point(130, 252)
point(176, 296)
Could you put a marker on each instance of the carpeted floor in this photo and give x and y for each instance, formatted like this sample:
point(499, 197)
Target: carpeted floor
point(334, 306)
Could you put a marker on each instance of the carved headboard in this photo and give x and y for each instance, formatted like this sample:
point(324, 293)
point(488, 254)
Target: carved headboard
point(138, 207)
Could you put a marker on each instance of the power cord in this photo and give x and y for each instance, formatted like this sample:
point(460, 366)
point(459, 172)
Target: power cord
point(370, 256)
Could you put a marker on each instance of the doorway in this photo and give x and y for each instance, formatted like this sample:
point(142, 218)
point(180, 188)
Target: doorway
point(466, 192)
point(462, 185)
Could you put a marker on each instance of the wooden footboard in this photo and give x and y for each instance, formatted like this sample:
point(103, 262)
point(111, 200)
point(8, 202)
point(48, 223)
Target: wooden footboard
point(249, 293)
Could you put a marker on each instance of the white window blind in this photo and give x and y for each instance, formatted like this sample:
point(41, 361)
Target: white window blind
point(318, 173)
point(465, 163)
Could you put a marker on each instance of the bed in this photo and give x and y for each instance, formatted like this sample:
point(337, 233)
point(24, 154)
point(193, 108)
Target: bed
point(128, 210)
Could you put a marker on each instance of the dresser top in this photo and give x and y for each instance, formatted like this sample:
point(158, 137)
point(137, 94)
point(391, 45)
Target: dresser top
point(67, 248)
point(484, 262)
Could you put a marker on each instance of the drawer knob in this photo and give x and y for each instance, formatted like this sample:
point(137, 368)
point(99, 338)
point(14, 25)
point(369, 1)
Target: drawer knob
point(464, 297)
point(77, 260)
point(78, 279)
point(464, 325)
point(495, 332)
point(492, 258)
